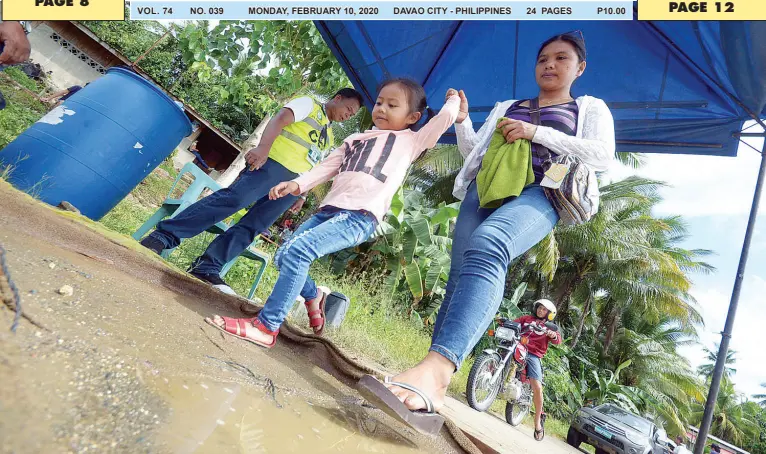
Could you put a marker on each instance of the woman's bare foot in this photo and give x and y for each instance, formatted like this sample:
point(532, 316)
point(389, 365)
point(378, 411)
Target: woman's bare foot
point(251, 332)
point(431, 376)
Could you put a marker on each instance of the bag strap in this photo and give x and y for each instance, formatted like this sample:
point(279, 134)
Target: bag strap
point(534, 115)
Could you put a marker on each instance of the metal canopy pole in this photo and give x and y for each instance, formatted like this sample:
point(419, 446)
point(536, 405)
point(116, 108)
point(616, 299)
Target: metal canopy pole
point(715, 384)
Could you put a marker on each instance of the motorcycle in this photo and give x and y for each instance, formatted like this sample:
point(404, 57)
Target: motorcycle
point(503, 370)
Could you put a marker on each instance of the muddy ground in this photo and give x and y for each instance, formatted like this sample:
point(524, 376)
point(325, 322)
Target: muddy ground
point(126, 364)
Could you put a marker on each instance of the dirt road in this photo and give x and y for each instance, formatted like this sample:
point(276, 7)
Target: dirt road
point(125, 362)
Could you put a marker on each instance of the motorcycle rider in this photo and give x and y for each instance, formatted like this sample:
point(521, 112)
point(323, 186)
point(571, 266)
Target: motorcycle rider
point(542, 311)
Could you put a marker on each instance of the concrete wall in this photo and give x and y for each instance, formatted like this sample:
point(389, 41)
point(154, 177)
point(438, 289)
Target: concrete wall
point(68, 65)
point(182, 157)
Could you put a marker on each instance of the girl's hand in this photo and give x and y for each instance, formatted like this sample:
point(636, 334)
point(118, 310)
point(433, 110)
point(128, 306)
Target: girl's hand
point(463, 113)
point(552, 334)
point(516, 129)
point(284, 188)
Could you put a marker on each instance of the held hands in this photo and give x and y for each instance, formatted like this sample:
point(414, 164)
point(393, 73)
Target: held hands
point(516, 129)
point(257, 157)
point(284, 188)
point(463, 113)
point(551, 334)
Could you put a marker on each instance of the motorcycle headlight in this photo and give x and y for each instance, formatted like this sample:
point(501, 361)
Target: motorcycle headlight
point(504, 333)
point(635, 437)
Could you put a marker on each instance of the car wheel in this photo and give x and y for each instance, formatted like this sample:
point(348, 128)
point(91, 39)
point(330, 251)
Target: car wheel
point(573, 437)
point(601, 451)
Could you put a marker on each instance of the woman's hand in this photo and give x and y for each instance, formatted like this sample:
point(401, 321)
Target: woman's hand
point(516, 129)
point(284, 188)
point(463, 113)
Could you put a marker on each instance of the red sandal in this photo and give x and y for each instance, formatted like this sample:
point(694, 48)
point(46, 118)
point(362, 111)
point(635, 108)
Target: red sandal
point(314, 321)
point(237, 327)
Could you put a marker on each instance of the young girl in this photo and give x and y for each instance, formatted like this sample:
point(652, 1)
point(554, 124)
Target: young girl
point(368, 169)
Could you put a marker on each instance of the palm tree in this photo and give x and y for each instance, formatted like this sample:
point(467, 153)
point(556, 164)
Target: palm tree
point(761, 397)
point(663, 377)
point(706, 370)
point(625, 273)
point(731, 421)
point(435, 172)
point(626, 255)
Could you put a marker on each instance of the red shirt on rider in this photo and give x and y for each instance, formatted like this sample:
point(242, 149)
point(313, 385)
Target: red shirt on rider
point(538, 343)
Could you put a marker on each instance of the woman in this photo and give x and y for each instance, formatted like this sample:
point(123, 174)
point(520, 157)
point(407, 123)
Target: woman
point(487, 240)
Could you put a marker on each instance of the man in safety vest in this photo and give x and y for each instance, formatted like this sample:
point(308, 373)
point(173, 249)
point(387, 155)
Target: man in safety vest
point(295, 140)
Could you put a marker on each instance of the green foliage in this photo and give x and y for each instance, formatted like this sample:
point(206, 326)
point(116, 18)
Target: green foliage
point(22, 79)
point(293, 52)
point(434, 173)
point(563, 392)
point(733, 420)
point(22, 109)
point(415, 244)
point(706, 369)
point(755, 412)
point(609, 389)
point(165, 64)
point(761, 398)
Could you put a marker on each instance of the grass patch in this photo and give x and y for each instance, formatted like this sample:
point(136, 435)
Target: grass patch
point(22, 109)
point(126, 217)
point(22, 79)
point(153, 190)
point(167, 166)
point(5, 171)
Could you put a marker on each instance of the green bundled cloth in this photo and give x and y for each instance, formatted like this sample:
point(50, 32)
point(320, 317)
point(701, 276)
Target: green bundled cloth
point(506, 169)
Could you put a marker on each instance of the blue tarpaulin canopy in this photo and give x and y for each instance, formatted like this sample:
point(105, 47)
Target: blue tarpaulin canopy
point(673, 87)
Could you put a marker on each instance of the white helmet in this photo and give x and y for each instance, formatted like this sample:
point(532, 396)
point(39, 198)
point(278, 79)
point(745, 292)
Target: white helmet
point(548, 304)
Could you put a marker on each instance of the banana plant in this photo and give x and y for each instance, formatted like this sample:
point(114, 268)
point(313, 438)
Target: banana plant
point(608, 388)
point(414, 241)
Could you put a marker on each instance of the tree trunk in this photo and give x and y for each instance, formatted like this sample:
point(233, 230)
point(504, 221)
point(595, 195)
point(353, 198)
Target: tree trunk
point(583, 316)
point(231, 174)
point(610, 330)
point(563, 298)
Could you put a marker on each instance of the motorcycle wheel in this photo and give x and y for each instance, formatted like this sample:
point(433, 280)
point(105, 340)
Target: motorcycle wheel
point(515, 413)
point(479, 392)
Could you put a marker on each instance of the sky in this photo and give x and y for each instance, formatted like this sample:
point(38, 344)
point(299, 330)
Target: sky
point(714, 195)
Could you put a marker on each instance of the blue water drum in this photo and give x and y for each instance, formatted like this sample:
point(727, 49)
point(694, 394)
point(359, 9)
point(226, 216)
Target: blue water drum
point(98, 145)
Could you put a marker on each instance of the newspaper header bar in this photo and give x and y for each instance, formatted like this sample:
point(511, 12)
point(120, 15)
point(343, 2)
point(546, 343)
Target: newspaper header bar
point(382, 10)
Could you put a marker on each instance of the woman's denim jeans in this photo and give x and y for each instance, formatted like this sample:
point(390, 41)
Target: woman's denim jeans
point(484, 244)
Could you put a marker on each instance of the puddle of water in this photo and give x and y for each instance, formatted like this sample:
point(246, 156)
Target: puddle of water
point(209, 417)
